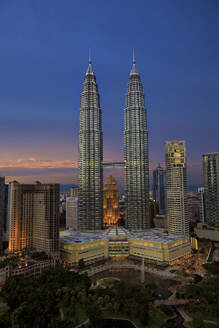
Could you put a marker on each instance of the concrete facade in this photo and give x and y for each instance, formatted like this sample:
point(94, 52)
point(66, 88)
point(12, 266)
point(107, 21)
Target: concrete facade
point(34, 217)
point(176, 184)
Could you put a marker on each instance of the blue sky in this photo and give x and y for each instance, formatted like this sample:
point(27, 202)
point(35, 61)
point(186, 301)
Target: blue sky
point(43, 58)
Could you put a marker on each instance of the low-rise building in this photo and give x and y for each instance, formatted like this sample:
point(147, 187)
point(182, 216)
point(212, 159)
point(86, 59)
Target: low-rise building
point(204, 231)
point(27, 269)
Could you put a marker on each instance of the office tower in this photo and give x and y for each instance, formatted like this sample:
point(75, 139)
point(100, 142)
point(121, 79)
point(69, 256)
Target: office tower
point(201, 197)
point(136, 155)
point(153, 209)
point(159, 188)
point(34, 217)
point(110, 202)
point(211, 185)
point(3, 209)
point(193, 209)
point(74, 192)
point(90, 147)
point(72, 213)
point(176, 186)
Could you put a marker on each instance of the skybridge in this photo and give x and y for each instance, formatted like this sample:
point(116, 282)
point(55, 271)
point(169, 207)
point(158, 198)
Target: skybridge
point(113, 164)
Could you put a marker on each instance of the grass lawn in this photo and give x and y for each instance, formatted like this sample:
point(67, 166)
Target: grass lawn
point(156, 319)
point(207, 325)
point(108, 281)
point(203, 316)
point(80, 313)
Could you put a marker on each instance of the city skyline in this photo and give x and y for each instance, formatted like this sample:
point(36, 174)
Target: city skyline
point(43, 59)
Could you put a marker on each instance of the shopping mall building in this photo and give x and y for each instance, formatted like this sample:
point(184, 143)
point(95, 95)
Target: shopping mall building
point(118, 243)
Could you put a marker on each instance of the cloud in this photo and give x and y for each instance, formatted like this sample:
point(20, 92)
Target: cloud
point(32, 162)
point(28, 170)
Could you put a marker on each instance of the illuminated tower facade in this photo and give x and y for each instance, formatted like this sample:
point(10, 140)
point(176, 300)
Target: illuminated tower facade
point(3, 209)
point(111, 202)
point(90, 150)
point(136, 155)
point(176, 185)
point(34, 217)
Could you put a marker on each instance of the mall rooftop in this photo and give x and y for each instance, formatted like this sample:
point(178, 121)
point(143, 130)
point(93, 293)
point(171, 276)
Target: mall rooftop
point(151, 235)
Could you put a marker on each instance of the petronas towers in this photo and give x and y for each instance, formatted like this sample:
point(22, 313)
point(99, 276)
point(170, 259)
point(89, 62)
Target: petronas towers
point(90, 148)
point(136, 155)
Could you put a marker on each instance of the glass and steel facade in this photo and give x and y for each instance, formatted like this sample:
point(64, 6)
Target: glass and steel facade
point(211, 184)
point(201, 197)
point(136, 155)
point(159, 188)
point(90, 149)
point(176, 185)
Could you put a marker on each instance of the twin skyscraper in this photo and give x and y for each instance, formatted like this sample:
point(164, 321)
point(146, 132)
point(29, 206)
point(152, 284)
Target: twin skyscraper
point(90, 148)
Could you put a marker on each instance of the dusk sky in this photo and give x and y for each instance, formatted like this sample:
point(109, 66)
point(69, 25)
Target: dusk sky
point(44, 47)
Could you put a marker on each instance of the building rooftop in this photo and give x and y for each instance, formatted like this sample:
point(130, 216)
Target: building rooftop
point(153, 235)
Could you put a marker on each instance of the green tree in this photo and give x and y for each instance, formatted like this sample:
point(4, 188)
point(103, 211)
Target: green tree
point(81, 263)
point(197, 322)
point(95, 315)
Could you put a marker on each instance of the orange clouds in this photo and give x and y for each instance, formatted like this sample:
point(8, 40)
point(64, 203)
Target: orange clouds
point(33, 163)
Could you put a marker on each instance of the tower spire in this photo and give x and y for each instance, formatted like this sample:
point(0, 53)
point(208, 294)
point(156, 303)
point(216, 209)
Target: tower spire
point(133, 60)
point(134, 69)
point(90, 69)
point(89, 55)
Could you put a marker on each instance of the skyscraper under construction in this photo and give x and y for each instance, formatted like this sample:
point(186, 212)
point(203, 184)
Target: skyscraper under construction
point(90, 149)
point(136, 155)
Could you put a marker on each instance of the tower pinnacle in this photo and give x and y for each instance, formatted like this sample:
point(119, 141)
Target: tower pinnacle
point(90, 69)
point(134, 69)
point(133, 60)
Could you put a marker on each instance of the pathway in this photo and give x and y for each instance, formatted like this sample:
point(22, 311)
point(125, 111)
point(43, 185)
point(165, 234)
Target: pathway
point(212, 322)
point(185, 316)
point(83, 323)
point(127, 265)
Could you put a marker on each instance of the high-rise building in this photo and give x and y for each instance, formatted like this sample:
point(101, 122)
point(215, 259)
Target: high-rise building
point(211, 184)
point(159, 188)
point(136, 155)
point(3, 209)
point(176, 186)
point(193, 209)
point(34, 215)
point(90, 146)
point(74, 192)
point(153, 209)
point(72, 213)
point(201, 197)
point(110, 202)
